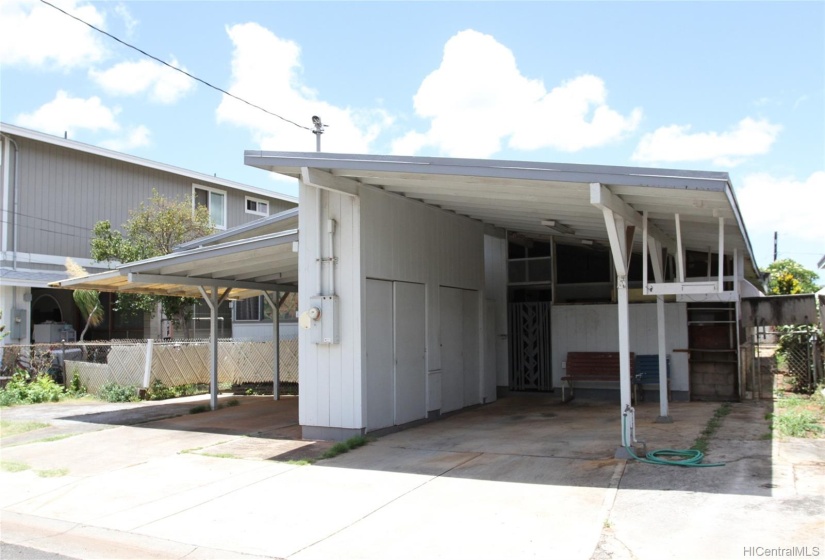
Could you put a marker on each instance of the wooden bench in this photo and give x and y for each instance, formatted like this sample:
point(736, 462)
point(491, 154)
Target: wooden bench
point(647, 373)
point(592, 367)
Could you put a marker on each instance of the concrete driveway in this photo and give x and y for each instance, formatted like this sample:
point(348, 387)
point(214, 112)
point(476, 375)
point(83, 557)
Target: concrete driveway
point(524, 477)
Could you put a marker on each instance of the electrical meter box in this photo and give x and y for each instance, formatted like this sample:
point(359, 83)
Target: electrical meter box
point(324, 329)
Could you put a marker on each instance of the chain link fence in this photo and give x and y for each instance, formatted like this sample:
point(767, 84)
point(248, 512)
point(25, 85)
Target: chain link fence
point(172, 363)
point(782, 358)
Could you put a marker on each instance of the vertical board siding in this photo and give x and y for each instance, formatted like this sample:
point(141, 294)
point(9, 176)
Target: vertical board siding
point(331, 387)
point(595, 328)
point(65, 192)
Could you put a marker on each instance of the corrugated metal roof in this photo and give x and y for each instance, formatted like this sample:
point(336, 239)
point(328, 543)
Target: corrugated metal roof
point(249, 267)
point(518, 195)
point(282, 221)
point(35, 278)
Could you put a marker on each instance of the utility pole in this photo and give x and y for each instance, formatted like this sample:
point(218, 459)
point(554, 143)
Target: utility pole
point(775, 242)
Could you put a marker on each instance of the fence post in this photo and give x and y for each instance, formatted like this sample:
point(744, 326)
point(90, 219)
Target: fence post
point(147, 370)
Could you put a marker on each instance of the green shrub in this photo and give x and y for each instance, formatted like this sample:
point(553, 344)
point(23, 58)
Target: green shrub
point(21, 389)
point(158, 391)
point(76, 388)
point(114, 392)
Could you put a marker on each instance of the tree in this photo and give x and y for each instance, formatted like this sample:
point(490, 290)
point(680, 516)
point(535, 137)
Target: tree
point(88, 301)
point(153, 230)
point(789, 277)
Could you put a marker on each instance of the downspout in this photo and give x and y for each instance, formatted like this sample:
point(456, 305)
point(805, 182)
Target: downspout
point(15, 201)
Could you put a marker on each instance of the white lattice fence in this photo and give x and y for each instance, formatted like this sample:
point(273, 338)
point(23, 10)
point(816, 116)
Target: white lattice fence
point(184, 363)
point(92, 376)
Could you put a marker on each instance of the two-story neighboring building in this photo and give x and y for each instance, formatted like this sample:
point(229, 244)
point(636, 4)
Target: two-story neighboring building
point(55, 190)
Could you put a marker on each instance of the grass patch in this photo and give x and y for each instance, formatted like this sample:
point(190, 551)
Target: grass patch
point(299, 462)
point(9, 428)
point(345, 446)
point(206, 408)
point(54, 438)
point(220, 455)
point(11, 466)
point(801, 416)
point(702, 442)
point(52, 473)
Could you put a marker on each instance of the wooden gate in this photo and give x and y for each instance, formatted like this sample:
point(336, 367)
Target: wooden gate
point(530, 359)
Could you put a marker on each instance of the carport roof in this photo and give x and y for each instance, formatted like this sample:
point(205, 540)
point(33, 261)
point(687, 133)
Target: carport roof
point(249, 266)
point(518, 195)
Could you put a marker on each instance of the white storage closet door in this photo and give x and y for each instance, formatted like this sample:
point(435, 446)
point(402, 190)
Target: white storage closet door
point(410, 353)
point(380, 361)
point(460, 365)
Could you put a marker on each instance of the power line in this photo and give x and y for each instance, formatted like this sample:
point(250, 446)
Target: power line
point(184, 72)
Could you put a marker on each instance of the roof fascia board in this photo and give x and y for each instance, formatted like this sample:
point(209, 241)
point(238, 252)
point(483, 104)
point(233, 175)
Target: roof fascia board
point(323, 180)
point(111, 154)
point(237, 230)
point(69, 282)
point(271, 163)
point(511, 164)
point(137, 278)
point(741, 224)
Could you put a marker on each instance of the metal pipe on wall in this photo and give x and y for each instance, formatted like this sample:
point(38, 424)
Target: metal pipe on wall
point(15, 201)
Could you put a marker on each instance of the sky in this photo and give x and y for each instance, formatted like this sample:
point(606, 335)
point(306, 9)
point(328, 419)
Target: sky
point(713, 86)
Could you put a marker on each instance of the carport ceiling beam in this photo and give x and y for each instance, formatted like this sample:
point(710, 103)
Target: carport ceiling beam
point(323, 180)
point(602, 198)
point(193, 281)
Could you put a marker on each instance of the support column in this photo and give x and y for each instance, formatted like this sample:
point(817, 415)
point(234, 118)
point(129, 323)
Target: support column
point(274, 300)
point(628, 414)
point(663, 386)
point(213, 301)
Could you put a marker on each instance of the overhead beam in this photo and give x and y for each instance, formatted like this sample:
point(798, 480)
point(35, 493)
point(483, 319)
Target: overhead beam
point(602, 198)
point(136, 278)
point(323, 180)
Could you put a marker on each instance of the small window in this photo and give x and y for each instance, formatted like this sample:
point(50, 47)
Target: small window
point(214, 200)
point(257, 206)
point(248, 309)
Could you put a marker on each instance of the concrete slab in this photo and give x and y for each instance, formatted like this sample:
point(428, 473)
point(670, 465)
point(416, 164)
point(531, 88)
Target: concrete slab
point(522, 477)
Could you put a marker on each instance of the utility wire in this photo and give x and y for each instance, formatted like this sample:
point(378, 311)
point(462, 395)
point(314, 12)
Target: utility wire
point(184, 72)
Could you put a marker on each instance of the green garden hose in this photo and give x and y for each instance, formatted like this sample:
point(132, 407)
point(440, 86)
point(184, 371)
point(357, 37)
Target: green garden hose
point(691, 457)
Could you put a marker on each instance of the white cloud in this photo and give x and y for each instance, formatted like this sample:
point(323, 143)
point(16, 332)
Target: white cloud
point(135, 138)
point(266, 70)
point(478, 99)
point(70, 114)
point(787, 205)
point(38, 35)
point(129, 21)
point(163, 84)
point(676, 143)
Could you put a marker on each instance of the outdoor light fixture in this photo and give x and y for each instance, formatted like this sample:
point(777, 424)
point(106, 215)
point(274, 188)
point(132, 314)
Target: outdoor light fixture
point(319, 130)
point(593, 244)
point(558, 226)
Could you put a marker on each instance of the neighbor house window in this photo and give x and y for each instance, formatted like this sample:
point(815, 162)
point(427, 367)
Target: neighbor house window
point(248, 309)
point(215, 201)
point(257, 206)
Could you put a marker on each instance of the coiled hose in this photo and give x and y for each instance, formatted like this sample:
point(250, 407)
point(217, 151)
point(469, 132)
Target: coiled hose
point(690, 457)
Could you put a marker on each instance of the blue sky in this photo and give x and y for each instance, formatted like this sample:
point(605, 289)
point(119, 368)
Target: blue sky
point(735, 86)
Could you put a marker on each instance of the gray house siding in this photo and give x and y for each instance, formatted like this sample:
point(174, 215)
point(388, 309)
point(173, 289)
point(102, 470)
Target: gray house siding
point(63, 188)
point(64, 192)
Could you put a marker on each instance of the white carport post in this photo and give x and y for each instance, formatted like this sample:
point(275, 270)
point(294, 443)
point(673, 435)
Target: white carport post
point(653, 247)
point(620, 235)
point(273, 299)
point(213, 301)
